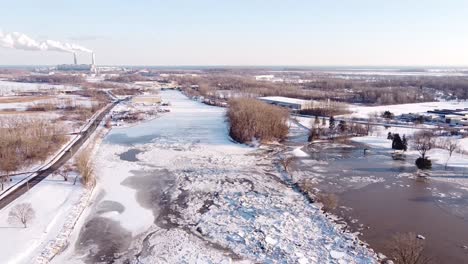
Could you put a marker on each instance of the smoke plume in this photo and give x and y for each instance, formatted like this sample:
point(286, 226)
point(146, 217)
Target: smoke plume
point(21, 41)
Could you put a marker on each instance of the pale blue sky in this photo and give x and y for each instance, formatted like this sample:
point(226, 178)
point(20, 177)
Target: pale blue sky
point(254, 32)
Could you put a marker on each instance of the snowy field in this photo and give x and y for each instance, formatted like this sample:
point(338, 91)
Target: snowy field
point(60, 100)
point(11, 88)
point(57, 205)
point(365, 111)
point(52, 200)
point(199, 198)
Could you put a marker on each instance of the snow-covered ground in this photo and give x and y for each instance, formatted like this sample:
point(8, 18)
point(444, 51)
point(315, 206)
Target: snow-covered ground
point(52, 200)
point(11, 88)
point(191, 195)
point(365, 111)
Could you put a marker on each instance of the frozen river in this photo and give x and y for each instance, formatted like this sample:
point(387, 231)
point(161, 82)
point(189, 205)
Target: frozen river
point(177, 190)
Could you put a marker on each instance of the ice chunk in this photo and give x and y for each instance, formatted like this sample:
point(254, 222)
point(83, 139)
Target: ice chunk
point(337, 254)
point(270, 240)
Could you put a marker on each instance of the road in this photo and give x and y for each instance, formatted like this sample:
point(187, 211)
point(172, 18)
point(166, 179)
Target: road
point(42, 174)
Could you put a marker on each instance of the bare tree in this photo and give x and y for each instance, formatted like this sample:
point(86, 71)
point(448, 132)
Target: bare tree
point(424, 141)
point(65, 172)
point(21, 213)
point(450, 145)
point(406, 248)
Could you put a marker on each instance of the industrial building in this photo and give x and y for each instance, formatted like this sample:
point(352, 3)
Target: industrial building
point(288, 102)
point(75, 67)
point(455, 117)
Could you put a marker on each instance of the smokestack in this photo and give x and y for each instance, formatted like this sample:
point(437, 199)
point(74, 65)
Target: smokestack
point(74, 58)
point(93, 59)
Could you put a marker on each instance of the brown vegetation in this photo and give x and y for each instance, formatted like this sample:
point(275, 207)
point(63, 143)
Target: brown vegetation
point(52, 79)
point(325, 108)
point(406, 248)
point(24, 141)
point(85, 167)
point(328, 200)
point(128, 78)
point(252, 120)
point(22, 99)
point(317, 87)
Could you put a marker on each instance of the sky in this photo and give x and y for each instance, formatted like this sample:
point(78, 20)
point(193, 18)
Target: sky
point(243, 32)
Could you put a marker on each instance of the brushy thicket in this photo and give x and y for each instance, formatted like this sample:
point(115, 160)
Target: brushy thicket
point(251, 120)
point(85, 167)
point(325, 108)
point(24, 141)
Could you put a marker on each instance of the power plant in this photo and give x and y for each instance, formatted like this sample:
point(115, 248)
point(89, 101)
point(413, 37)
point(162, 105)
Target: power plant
point(75, 67)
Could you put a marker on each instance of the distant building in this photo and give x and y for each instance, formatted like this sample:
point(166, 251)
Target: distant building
point(268, 78)
point(75, 67)
point(264, 77)
point(456, 120)
point(288, 102)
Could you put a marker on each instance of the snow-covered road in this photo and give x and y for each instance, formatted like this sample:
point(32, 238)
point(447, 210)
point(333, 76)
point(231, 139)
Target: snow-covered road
point(177, 190)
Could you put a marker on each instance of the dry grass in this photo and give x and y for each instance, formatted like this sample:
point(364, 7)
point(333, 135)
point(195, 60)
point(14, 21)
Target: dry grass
point(13, 112)
point(85, 167)
point(252, 120)
point(24, 141)
point(22, 99)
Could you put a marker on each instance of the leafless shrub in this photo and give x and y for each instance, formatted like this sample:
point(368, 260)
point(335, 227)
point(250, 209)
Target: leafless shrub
point(85, 167)
point(82, 114)
point(126, 91)
point(329, 201)
point(308, 187)
point(356, 129)
point(42, 107)
point(108, 123)
point(251, 119)
point(406, 248)
point(21, 213)
point(286, 162)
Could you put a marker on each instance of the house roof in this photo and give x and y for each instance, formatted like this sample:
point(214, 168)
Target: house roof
point(282, 99)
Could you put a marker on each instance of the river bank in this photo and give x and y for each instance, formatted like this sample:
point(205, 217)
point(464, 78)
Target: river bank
point(178, 184)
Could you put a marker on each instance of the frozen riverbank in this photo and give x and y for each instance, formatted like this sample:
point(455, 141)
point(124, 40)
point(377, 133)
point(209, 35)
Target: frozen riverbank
point(186, 193)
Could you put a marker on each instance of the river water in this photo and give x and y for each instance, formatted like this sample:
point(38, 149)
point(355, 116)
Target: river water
point(176, 189)
point(379, 196)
